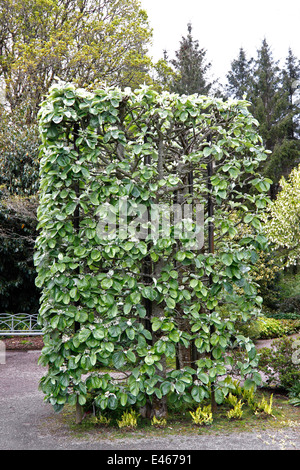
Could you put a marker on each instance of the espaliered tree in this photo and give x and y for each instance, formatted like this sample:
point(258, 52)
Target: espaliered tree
point(132, 184)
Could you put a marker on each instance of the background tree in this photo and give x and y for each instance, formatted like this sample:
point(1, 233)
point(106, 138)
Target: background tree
point(271, 92)
point(164, 74)
point(19, 168)
point(83, 41)
point(282, 219)
point(239, 78)
point(87, 42)
point(191, 67)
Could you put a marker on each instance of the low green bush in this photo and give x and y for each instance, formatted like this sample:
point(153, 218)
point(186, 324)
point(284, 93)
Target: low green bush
point(273, 328)
point(269, 328)
point(291, 304)
point(278, 365)
point(294, 394)
point(282, 315)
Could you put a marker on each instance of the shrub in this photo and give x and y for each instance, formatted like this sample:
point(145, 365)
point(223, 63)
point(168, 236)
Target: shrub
point(291, 304)
point(266, 328)
point(278, 365)
point(232, 399)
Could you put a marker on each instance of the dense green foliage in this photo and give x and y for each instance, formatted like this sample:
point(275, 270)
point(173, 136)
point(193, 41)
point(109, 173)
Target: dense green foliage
point(41, 40)
point(103, 40)
point(19, 167)
point(29, 64)
point(273, 93)
point(282, 219)
point(191, 68)
point(119, 300)
point(281, 364)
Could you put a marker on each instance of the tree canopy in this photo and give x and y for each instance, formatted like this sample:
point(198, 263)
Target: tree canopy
point(271, 90)
point(282, 219)
point(82, 41)
point(191, 67)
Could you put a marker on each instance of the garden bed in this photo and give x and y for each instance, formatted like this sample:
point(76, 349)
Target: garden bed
point(23, 343)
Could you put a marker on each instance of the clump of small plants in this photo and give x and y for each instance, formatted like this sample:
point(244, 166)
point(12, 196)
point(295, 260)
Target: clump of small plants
point(202, 416)
point(103, 420)
point(261, 408)
point(158, 422)
point(129, 420)
point(236, 411)
point(238, 401)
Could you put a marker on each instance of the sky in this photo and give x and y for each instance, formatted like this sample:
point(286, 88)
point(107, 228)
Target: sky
point(222, 27)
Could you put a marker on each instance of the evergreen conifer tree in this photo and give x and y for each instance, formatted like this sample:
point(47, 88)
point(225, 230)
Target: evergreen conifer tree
point(268, 102)
point(291, 86)
point(239, 78)
point(273, 107)
point(273, 94)
point(191, 67)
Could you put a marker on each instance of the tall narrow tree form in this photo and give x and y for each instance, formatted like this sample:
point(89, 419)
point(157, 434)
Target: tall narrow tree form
point(275, 113)
point(120, 255)
point(286, 154)
point(191, 67)
point(291, 86)
point(271, 93)
point(267, 97)
point(239, 78)
point(82, 41)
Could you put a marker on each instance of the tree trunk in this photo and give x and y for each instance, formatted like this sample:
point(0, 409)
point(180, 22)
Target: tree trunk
point(79, 413)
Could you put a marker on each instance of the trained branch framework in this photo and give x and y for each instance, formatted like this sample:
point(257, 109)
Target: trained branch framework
point(128, 284)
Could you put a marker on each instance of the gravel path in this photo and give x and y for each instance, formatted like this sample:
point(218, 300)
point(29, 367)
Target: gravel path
point(28, 423)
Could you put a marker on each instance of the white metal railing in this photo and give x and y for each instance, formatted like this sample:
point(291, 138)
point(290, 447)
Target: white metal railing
point(19, 324)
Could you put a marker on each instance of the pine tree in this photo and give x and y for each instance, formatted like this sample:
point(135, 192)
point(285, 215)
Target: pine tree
point(239, 78)
point(274, 103)
point(286, 152)
point(191, 67)
point(277, 113)
point(291, 84)
point(268, 102)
